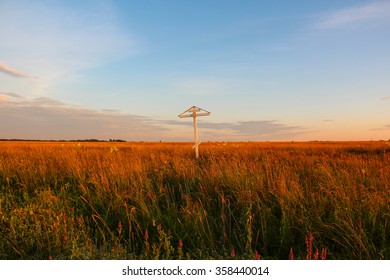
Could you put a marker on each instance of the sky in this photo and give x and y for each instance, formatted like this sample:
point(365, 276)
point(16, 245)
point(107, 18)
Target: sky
point(301, 70)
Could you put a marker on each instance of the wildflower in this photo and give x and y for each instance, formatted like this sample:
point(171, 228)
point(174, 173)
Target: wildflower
point(146, 234)
point(291, 255)
point(316, 254)
point(256, 256)
point(309, 246)
point(323, 254)
point(180, 243)
point(233, 253)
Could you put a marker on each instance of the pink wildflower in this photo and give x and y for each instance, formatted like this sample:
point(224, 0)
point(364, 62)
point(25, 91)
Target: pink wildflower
point(146, 234)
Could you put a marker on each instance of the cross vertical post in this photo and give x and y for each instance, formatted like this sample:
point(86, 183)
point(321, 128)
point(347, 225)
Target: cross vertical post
point(196, 140)
point(195, 112)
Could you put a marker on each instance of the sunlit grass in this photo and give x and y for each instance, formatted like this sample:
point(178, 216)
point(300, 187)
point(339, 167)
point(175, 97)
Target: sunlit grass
point(155, 201)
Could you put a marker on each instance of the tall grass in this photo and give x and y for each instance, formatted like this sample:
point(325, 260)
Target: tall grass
point(155, 201)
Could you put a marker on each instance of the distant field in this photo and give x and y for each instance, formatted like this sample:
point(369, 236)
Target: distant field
point(155, 201)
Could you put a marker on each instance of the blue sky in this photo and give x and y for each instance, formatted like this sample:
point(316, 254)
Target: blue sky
point(267, 70)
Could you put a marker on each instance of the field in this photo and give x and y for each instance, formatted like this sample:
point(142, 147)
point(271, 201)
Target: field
point(318, 200)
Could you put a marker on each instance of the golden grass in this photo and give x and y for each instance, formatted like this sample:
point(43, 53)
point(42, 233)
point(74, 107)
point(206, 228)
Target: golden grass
point(98, 200)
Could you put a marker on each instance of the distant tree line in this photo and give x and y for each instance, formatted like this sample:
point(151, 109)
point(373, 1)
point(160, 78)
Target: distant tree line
point(116, 140)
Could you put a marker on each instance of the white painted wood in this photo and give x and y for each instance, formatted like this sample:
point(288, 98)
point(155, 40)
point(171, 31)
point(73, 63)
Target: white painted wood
point(195, 112)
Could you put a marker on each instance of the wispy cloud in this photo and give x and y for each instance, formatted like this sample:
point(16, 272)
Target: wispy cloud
point(11, 94)
point(386, 98)
point(258, 128)
point(47, 118)
point(55, 40)
point(246, 130)
point(385, 127)
point(9, 71)
point(264, 130)
point(371, 12)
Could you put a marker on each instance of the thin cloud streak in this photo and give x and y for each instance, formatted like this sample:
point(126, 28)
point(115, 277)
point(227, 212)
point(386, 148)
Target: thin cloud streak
point(372, 12)
point(386, 98)
point(9, 71)
point(385, 127)
point(11, 94)
point(265, 129)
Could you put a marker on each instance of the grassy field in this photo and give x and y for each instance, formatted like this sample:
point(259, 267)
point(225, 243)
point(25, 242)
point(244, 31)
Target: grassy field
point(155, 201)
